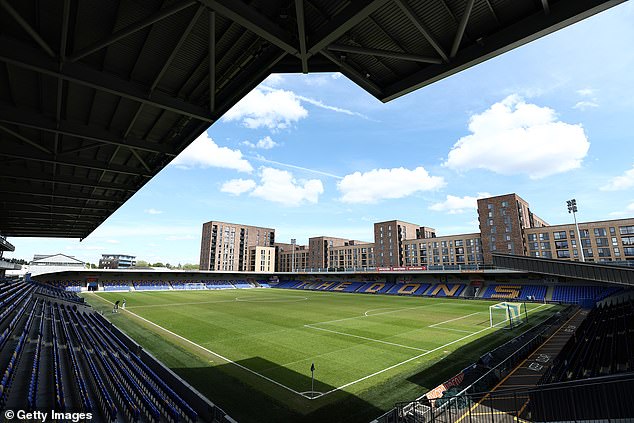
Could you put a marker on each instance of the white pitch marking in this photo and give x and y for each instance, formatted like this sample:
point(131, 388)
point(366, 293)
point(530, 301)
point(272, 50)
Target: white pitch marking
point(401, 363)
point(452, 320)
point(363, 337)
point(210, 352)
point(375, 314)
point(455, 330)
point(368, 314)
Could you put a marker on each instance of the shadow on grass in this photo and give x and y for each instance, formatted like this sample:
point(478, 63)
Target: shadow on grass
point(470, 353)
point(250, 398)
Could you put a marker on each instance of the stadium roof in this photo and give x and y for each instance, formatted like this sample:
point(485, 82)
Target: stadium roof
point(96, 97)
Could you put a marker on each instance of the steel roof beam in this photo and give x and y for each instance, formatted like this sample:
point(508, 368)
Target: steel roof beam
point(29, 175)
point(30, 120)
point(212, 60)
point(383, 53)
point(546, 7)
point(342, 23)
point(177, 47)
point(29, 202)
point(17, 153)
point(301, 33)
point(249, 18)
point(25, 139)
point(21, 211)
point(461, 28)
point(421, 27)
point(12, 189)
point(562, 14)
point(28, 28)
point(23, 56)
point(56, 218)
point(131, 29)
point(360, 79)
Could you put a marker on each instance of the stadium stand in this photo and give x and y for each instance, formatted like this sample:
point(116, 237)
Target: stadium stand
point(575, 294)
point(602, 345)
point(445, 290)
point(151, 285)
point(408, 289)
point(511, 291)
point(68, 358)
point(115, 285)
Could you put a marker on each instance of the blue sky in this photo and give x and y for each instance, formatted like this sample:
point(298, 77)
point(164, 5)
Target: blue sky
point(314, 154)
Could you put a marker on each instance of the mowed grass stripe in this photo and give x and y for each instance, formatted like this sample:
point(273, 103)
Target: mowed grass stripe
point(265, 330)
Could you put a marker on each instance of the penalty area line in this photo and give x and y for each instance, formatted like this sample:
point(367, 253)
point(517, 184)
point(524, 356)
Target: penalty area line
point(363, 337)
point(209, 351)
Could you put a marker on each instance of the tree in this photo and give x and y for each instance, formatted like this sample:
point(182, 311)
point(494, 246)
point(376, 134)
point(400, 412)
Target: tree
point(141, 263)
point(158, 264)
point(190, 266)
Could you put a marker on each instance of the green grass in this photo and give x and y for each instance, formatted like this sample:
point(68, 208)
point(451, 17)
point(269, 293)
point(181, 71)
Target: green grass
point(370, 351)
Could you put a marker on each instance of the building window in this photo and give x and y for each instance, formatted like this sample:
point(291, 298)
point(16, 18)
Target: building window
point(612, 231)
point(600, 232)
point(532, 237)
point(559, 235)
point(628, 251)
point(505, 203)
point(617, 253)
point(563, 254)
point(490, 206)
point(626, 230)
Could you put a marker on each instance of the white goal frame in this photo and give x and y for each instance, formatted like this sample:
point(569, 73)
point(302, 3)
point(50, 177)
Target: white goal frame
point(513, 314)
point(195, 285)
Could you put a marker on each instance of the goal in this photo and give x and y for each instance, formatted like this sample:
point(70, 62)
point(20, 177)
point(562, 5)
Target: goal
point(507, 315)
point(195, 286)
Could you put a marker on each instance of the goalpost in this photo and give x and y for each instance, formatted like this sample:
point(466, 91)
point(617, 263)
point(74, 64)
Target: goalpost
point(507, 315)
point(193, 285)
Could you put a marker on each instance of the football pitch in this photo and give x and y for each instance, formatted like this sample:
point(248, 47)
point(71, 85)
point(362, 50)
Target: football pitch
point(251, 350)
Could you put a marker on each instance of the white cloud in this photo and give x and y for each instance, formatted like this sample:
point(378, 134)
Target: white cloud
point(457, 205)
point(584, 105)
point(281, 187)
point(267, 108)
point(321, 104)
point(622, 182)
point(265, 143)
point(514, 137)
point(112, 241)
point(153, 211)
point(238, 186)
point(204, 152)
point(274, 80)
point(380, 184)
point(278, 186)
point(585, 92)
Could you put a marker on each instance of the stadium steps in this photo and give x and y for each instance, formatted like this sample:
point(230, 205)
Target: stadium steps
point(549, 292)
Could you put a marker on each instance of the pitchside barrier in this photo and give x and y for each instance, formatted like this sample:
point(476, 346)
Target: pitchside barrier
point(435, 404)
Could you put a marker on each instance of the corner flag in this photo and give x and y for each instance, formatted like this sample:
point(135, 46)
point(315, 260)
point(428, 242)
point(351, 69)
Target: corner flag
point(312, 367)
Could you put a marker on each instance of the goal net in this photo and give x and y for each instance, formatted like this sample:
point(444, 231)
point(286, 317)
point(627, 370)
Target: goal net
point(507, 315)
point(195, 286)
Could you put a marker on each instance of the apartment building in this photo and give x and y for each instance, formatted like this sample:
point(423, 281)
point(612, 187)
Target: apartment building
point(261, 259)
point(353, 255)
point(507, 226)
point(388, 241)
point(503, 219)
point(285, 256)
point(447, 250)
point(607, 240)
point(319, 250)
point(226, 246)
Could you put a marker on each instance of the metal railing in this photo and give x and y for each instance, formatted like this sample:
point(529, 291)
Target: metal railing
point(413, 268)
point(605, 399)
point(425, 410)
